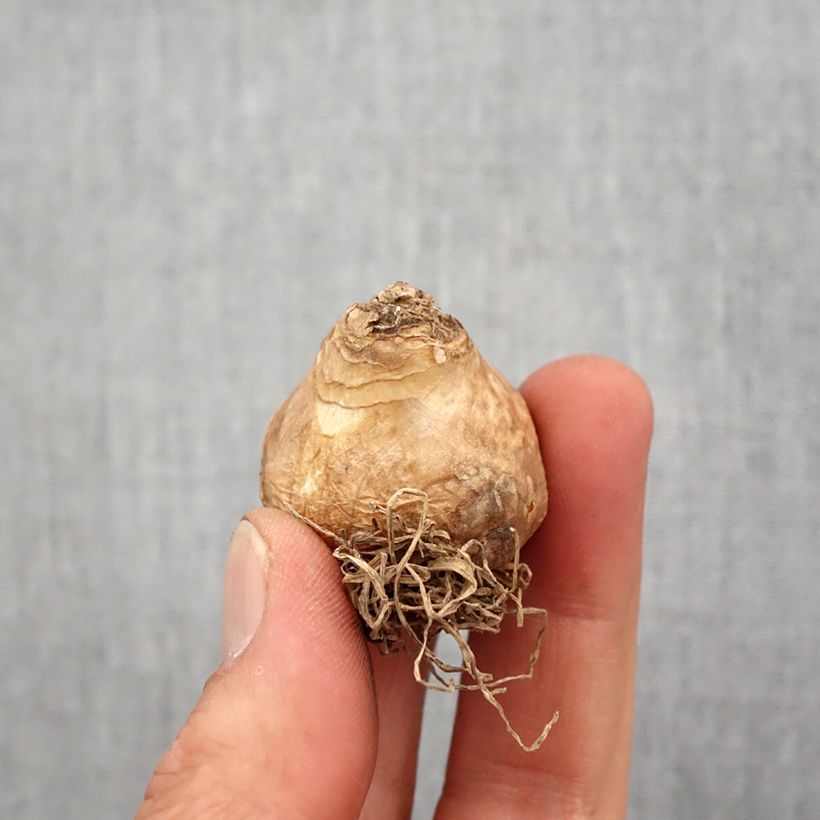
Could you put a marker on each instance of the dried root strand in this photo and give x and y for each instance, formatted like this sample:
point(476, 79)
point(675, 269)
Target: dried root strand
point(409, 581)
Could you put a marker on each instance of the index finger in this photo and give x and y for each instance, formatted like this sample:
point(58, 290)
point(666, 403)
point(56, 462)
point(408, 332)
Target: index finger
point(594, 420)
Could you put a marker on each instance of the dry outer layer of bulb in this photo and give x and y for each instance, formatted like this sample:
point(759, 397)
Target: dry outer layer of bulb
point(400, 397)
point(419, 464)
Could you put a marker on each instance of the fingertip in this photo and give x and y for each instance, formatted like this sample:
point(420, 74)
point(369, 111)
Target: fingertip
point(594, 420)
point(306, 594)
point(278, 527)
point(296, 699)
point(606, 395)
point(307, 668)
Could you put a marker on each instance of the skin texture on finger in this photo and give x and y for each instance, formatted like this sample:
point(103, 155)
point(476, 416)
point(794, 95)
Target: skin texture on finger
point(594, 421)
point(289, 728)
point(400, 700)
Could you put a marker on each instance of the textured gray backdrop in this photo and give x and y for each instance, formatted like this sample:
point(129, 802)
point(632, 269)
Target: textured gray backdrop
point(190, 193)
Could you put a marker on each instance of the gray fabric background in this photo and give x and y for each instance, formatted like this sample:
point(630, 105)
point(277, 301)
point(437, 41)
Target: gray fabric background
point(191, 193)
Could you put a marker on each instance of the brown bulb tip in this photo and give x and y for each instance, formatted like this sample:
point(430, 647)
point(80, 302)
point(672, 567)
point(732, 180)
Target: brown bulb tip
point(403, 309)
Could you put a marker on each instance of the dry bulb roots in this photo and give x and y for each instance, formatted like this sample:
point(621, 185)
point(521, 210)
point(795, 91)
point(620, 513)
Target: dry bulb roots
point(409, 581)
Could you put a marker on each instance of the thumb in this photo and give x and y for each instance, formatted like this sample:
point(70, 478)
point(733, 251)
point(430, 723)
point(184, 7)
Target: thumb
point(286, 727)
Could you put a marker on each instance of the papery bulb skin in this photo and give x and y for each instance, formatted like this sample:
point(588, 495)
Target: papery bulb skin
point(399, 397)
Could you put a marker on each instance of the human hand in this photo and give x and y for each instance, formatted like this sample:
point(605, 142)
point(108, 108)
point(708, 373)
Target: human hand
point(309, 721)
